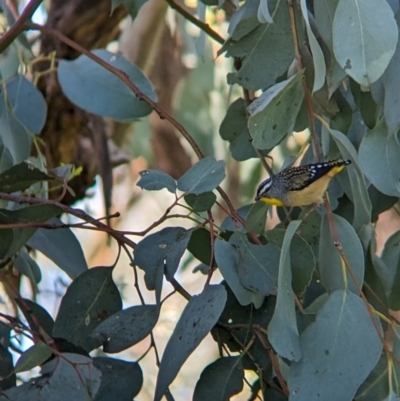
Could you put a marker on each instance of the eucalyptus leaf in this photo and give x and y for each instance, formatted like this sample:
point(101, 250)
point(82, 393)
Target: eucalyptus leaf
point(317, 55)
point(332, 268)
point(82, 77)
point(220, 380)
point(267, 49)
point(154, 180)
point(364, 38)
point(204, 176)
point(273, 114)
point(340, 349)
point(198, 318)
point(282, 330)
point(90, 299)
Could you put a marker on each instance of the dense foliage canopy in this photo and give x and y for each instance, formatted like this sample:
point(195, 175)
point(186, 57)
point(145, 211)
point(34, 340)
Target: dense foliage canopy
point(306, 309)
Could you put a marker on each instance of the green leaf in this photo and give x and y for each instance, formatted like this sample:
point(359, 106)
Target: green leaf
point(89, 300)
point(21, 177)
point(201, 202)
point(22, 113)
point(154, 180)
point(257, 217)
point(9, 63)
point(120, 379)
point(200, 245)
point(226, 257)
point(263, 14)
point(324, 14)
point(236, 314)
point(282, 331)
point(391, 84)
point(229, 225)
point(234, 129)
point(331, 265)
point(379, 159)
point(364, 38)
point(27, 266)
point(352, 181)
point(257, 265)
point(198, 318)
point(375, 387)
point(301, 257)
point(235, 121)
point(167, 245)
point(126, 328)
point(317, 55)
point(6, 369)
point(339, 351)
point(42, 316)
point(82, 77)
point(273, 114)
point(33, 357)
point(267, 49)
point(220, 380)
point(204, 176)
point(62, 247)
point(133, 6)
point(244, 20)
point(390, 270)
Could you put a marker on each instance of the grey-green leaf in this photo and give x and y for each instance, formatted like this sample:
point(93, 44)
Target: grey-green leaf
point(155, 180)
point(82, 77)
point(364, 38)
point(120, 379)
point(273, 114)
point(226, 257)
point(90, 299)
point(201, 202)
point(257, 265)
point(198, 318)
point(265, 56)
point(282, 330)
point(339, 351)
point(127, 327)
point(317, 55)
point(23, 112)
point(20, 177)
point(167, 245)
point(33, 357)
point(257, 217)
point(379, 159)
point(331, 265)
point(263, 14)
point(352, 181)
point(62, 247)
point(389, 270)
point(204, 176)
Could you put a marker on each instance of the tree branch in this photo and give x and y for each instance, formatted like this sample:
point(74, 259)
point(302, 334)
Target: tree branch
point(195, 21)
point(19, 25)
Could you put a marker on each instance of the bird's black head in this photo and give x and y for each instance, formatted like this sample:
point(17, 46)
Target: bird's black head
point(263, 188)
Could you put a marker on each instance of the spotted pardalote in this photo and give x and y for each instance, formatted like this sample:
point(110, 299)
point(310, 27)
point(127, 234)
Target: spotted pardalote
point(300, 186)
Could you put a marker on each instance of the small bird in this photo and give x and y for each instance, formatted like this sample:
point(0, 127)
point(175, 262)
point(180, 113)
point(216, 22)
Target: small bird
point(300, 186)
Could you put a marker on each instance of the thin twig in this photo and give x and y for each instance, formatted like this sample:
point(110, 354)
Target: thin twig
point(195, 21)
point(138, 93)
point(75, 212)
point(19, 25)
